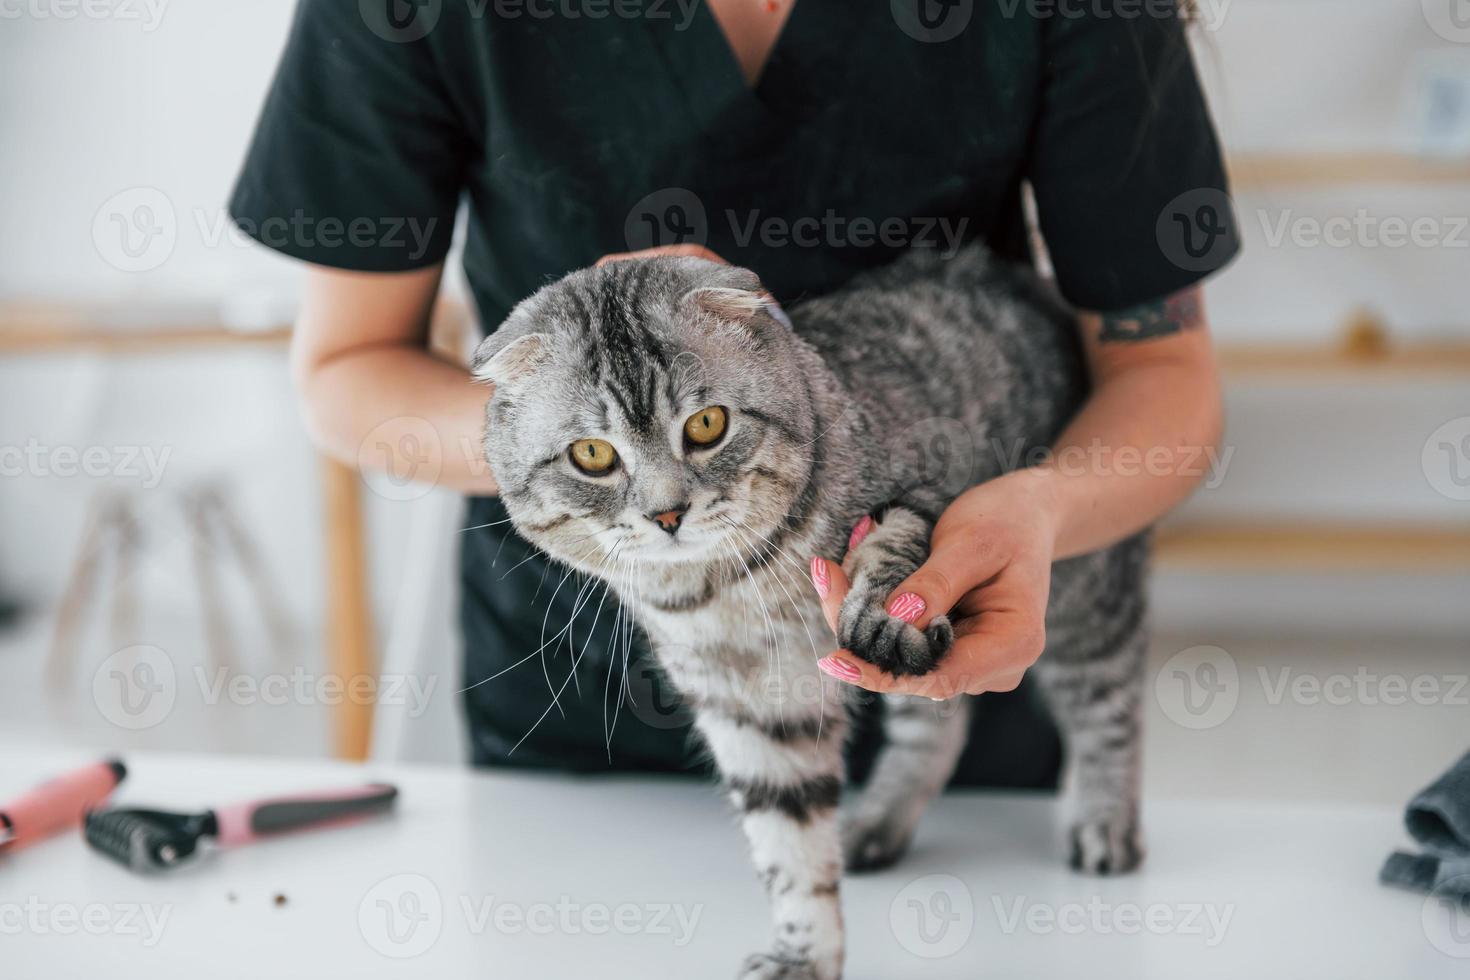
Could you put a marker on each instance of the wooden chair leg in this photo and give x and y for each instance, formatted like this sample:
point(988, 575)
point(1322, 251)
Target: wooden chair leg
point(349, 609)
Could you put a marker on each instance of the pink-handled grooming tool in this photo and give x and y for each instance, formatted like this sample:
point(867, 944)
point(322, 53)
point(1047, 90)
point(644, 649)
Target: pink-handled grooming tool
point(153, 840)
point(58, 803)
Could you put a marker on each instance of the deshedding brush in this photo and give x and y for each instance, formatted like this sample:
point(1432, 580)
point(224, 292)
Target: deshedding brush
point(156, 840)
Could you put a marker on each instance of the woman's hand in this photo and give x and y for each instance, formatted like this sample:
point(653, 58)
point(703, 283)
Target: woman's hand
point(989, 567)
point(689, 249)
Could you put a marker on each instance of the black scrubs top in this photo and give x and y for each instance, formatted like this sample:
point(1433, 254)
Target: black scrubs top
point(572, 136)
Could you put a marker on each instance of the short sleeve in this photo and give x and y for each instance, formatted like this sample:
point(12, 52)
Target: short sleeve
point(1131, 192)
point(358, 158)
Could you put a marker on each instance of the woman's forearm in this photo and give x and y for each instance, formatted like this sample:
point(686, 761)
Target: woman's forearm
point(1148, 435)
point(399, 409)
point(371, 392)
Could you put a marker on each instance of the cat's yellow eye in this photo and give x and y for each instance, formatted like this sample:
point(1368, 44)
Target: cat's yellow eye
point(706, 426)
point(593, 456)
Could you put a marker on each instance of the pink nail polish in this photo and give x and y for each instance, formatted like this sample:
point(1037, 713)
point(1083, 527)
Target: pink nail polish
point(907, 607)
point(858, 533)
point(840, 669)
point(821, 578)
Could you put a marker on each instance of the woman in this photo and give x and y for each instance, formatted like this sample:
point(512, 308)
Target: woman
point(806, 141)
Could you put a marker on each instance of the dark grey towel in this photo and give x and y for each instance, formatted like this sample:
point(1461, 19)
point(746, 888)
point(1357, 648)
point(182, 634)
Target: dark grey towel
point(1438, 818)
point(1448, 878)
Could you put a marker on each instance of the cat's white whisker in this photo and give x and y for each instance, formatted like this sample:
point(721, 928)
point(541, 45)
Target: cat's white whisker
point(478, 527)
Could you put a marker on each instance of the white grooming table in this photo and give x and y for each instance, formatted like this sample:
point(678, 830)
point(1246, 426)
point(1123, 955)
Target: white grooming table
point(528, 876)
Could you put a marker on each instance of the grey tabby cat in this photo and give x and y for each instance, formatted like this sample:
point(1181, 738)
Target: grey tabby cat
point(661, 425)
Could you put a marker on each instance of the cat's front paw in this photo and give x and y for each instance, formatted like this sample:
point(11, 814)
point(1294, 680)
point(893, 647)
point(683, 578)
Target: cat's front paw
point(1107, 846)
point(881, 554)
point(776, 966)
point(865, 628)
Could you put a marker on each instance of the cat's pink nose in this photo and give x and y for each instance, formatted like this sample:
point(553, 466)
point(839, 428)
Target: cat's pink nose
point(669, 519)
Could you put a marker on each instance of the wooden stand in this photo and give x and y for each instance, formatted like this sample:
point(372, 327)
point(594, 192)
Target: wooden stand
point(350, 651)
point(349, 627)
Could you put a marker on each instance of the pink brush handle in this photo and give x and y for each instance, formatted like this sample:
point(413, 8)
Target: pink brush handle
point(58, 803)
point(241, 823)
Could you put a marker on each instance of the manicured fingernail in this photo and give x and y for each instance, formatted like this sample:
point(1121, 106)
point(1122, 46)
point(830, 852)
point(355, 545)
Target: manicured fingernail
point(907, 607)
point(821, 578)
point(858, 533)
point(840, 669)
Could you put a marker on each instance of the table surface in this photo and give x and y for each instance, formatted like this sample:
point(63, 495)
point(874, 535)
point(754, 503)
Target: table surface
point(521, 876)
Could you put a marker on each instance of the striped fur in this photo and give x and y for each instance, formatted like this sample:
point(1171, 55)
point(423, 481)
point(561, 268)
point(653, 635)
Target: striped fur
point(889, 398)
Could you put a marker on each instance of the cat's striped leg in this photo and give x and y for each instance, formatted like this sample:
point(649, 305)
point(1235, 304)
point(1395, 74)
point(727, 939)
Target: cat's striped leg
point(1092, 675)
point(785, 780)
point(923, 740)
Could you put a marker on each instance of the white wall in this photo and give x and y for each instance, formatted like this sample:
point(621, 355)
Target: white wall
point(97, 107)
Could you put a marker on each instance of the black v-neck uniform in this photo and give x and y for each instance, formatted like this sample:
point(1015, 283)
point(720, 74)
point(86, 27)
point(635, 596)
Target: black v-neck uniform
point(573, 128)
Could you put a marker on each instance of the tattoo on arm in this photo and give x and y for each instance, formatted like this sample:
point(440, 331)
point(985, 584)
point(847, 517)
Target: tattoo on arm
point(1160, 318)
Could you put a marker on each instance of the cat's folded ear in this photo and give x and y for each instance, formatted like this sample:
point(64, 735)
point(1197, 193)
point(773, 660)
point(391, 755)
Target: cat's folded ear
point(509, 356)
point(735, 295)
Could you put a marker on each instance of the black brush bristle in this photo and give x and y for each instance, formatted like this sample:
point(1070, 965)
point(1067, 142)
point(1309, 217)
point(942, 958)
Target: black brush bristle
point(144, 840)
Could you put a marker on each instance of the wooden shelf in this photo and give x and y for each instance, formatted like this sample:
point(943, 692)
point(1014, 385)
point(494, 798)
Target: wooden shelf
point(1257, 170)
point(1321, 548)
point(1322, 360)
point(31, 339)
